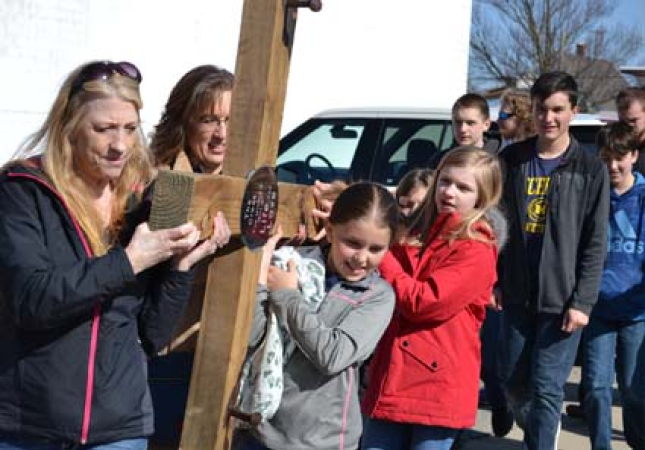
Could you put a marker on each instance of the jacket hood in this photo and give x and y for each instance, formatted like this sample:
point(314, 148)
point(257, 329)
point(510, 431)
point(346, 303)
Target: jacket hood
point(639, 179)
point(494, 217)
point(31, 166)
point(498, 223)
point(637, 188)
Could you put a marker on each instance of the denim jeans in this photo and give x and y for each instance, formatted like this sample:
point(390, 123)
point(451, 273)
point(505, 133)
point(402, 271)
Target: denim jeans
point(537, 357)
point(386, 435)
point(491, 372)
point(608, 346)
point(20, 444)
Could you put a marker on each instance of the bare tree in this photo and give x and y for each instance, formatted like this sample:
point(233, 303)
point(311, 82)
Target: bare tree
point(513, 41)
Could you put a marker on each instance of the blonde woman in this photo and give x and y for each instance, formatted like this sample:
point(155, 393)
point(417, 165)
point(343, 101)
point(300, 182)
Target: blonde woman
point(86, 288)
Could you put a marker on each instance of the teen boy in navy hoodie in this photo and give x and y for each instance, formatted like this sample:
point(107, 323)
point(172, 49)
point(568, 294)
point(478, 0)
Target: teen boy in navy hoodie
point(617, 324)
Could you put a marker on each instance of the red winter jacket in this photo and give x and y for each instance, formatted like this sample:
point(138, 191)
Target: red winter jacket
point(425, 369)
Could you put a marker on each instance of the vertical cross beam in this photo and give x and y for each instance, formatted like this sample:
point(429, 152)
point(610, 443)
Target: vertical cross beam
point(258, 100)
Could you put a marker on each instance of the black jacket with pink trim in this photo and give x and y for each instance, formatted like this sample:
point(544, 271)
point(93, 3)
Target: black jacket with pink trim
point(74, 329)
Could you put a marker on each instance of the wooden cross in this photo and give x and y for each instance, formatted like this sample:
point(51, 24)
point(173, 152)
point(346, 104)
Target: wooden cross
point(262, 69)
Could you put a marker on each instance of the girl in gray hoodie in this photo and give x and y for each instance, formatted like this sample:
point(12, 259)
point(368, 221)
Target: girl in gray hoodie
point(319, 408)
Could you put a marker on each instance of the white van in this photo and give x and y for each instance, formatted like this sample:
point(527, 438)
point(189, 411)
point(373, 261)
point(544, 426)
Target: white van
point(380, 144)
point(377, 144)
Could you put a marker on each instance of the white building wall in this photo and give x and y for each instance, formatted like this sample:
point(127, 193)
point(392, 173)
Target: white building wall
point(352, 53)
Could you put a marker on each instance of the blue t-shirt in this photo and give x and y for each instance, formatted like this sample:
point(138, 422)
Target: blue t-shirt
point(537, 185)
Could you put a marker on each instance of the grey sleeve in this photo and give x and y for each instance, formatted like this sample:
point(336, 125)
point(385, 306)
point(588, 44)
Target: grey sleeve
point(593, 246)
point(333, 349)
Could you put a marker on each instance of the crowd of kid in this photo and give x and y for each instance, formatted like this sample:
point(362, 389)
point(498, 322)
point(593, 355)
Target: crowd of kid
point(569, 258)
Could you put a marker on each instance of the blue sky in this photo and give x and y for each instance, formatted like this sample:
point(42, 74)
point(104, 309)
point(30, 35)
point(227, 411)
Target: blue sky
point(632, 12)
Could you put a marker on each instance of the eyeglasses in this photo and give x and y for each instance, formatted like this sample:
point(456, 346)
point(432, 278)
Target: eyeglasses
point(103, 70)
point(211, 121)
point(503, 115)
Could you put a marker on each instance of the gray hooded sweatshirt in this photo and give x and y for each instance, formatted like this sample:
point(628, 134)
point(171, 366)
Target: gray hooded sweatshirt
point(320, 407)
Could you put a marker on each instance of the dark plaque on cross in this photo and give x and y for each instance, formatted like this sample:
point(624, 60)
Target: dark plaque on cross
point(259, 208)
point(252, 206)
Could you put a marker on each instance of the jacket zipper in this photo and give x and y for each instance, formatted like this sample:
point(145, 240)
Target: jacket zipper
point(348, 399)
point(520, 200)
point(96, 313)
point(552, 196)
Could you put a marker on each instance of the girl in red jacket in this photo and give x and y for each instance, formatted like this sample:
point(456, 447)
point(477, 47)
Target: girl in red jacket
point(424, 375)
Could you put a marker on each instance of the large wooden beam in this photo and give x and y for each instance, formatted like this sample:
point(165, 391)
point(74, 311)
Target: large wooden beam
point(181, 197)
point(258, 100)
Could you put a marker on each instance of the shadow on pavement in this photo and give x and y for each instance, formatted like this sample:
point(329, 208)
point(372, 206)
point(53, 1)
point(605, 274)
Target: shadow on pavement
point(574, 425)
point(571, 394)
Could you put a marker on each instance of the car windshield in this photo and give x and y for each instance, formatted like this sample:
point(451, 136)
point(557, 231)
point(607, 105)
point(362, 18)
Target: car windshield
point(322, 149)
point(370, 148)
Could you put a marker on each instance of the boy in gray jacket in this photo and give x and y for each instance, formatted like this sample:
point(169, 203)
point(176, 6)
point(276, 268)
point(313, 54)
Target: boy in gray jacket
point(556, 196)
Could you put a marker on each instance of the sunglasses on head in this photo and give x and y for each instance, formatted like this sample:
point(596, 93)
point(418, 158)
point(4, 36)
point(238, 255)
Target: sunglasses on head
point(503, 115)
point(103, 70)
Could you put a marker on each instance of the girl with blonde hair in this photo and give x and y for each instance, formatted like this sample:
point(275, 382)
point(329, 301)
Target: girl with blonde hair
point(424, 375)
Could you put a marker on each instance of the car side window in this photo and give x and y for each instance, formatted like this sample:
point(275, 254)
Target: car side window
point(408, 144)
point(325, 152)
point(448, 137)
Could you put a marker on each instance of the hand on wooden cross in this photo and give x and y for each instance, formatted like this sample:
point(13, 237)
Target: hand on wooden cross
point(324, 203)
point(148, 248)
point(219, 238)
point(325, 195)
